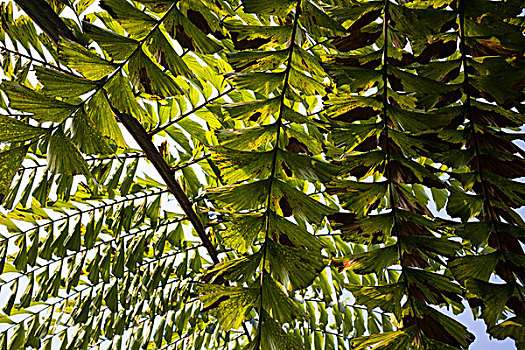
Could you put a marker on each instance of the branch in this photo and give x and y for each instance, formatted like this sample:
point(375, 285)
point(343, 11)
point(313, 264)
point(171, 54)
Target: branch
point(144, 140)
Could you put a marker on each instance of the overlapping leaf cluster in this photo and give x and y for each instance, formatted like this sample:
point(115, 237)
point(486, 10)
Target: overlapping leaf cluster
point(399, 121)
point(414, 118)
point(100, 260)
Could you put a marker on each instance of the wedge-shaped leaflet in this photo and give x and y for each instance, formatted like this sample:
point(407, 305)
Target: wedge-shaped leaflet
point(259, 82)
point(304, 84)
point(280, 229)
point(260, 110)
point(429, 287)
point(371, 229)
point(494, 297)
point(355, 15)
point(426, 90)
point(419, 22)
point(147, 74)
point(239, 165)
point(241, 197)
point(246, 61)
point(87, 136)
point(393, 340)
point(301, 142)
point(499, 79)
point(61, 84)
point(160, 48)
point(294, 268)
point(441, 246)
point(187, 34)
point(514, 328)
point(122, 98)
point(304, 61)
point(229, 304)
point(305, 167)
point(371, 261)
point(44, 108)
point(441, 328)
point(249, 138)
point(363, 165)
point(440, 71)
point(240, 269)
point(270, 7)
point(415, 121)
point(387, 297)
point(494, 115)
point(271, 336)
point(247, 36)
point(349, 109)
point(117, 46)
point(63, 157)
point(358, 197)
point(318, 23)
point(510, 192)
point(479, 232)
point(99, 111)
point(463, 205)
point(12, 129)
point(134, 21)
point(10, 161)
point(84, 61)
point(301, 204)
point(405, 170)
point(243, 231)
point(355, 79)
point(277, 304)
point(480, 267)
point(351, 136)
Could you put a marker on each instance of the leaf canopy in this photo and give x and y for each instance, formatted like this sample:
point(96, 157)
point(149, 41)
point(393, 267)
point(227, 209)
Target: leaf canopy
point(248, 174)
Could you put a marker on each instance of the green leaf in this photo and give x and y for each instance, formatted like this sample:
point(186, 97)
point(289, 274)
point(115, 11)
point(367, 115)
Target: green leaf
point(63, 157)
point(10, 161)
point(358, 197)
point(245, 61)
point(145, 73)
point(371, 261)
point(87, 136)
point(277, 304)
point(160, 48)
point(295, 268)
point(261, 110)
point(12, 129)
point(393, 340)
point(464, 205)
point(387, 297)
point(43, 107)
point(63, 85)
point(187, 34)
point(100, 113)
point(302, 205)
point(248, 138)
point(134, 21)
point(478, 266)
point(494, 297)
point(117, 46)
point(258, 81)
point(229, 304)
point(84, 61)
point(270, 7)
point(271, 336)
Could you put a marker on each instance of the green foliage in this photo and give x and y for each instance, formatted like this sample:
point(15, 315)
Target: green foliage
point(223, 175)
